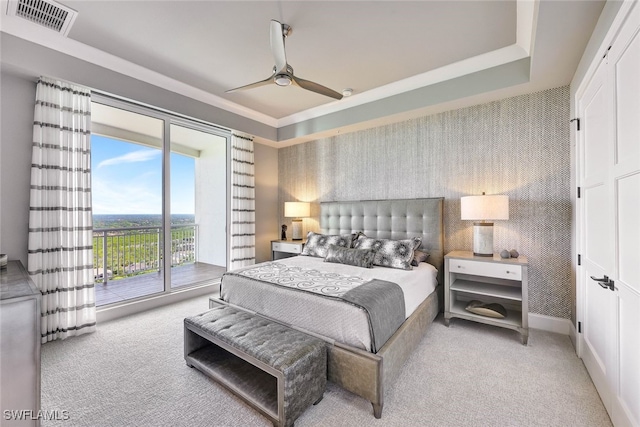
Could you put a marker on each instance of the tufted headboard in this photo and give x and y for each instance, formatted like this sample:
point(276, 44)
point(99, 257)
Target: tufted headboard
point(390, 219)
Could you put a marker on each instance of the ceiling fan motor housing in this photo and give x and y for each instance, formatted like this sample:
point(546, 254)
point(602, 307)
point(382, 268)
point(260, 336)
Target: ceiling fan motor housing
point(283, 79)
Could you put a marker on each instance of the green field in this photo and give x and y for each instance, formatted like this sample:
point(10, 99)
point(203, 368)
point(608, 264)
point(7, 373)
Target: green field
point(132, 252)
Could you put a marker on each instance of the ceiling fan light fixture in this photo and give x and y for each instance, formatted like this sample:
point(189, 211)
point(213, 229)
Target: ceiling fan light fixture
point(282, 79)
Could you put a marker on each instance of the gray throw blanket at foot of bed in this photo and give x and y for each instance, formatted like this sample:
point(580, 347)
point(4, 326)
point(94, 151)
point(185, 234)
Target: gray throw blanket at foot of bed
point(380, 300)
point(384, 303)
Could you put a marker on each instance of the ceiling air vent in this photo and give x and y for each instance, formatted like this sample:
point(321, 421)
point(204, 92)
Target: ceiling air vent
point(48, 14)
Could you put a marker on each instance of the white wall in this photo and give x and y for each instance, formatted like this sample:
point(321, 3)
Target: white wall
point(16, 136)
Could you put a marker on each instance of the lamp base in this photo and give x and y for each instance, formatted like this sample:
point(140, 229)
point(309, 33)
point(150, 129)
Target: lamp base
point(483, 239)
point(296, 234)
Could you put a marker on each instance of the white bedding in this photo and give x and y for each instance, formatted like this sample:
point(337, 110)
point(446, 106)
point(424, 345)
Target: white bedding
point(327, 317)
point(417, 284)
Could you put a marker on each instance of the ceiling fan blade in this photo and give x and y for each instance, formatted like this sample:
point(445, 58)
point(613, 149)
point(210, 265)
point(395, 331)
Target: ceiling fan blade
point(282, 72)
point(315, 87)
point(252, 85)
point(277, 46)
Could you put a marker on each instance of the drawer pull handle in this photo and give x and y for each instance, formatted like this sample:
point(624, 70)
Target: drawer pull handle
point(460, 266)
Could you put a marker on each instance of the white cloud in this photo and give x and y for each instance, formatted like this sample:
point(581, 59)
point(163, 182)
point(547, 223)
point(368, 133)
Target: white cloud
point(133, 157)
point(115, 197)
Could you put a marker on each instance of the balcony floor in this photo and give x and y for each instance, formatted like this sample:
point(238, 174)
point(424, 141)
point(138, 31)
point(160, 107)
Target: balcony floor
point(151, 283)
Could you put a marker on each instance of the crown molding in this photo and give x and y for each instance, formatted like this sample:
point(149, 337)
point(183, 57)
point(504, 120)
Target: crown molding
point(526, 19)
point(42, 36)
point(458, 69)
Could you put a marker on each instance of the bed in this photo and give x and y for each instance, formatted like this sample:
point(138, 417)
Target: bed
point(357, 361)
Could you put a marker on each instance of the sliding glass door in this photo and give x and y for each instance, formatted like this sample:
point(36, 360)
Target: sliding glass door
point(159, 201)
point(126, 175)
point(198, 205)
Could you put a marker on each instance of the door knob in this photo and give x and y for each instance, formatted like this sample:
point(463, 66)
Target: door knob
point(605, 282)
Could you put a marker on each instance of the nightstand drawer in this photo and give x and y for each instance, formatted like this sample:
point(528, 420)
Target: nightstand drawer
point(292, 248)
point(488, 269)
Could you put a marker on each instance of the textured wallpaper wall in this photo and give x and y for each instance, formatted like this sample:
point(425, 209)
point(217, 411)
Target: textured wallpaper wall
point(517, 146)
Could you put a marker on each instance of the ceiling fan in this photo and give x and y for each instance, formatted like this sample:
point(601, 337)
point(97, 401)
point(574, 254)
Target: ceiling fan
point(282, 71)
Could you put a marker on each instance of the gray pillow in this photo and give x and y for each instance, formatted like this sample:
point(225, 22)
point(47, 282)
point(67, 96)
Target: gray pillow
point(357, 257)
point(390, 253)
point(318, 244)
point(418, 257)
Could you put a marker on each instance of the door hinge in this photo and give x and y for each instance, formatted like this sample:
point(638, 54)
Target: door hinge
point(606, 53)
point(579, 327)
point(578, 123)
point(579, 259)
point(578, 192)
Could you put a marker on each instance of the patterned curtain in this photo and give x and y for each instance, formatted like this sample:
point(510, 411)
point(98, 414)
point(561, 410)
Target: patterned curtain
point(243, 206)
point(60, 259)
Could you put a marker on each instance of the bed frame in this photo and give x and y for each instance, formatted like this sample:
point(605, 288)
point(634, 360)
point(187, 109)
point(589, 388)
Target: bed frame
point(368, 374)
point(363, 373)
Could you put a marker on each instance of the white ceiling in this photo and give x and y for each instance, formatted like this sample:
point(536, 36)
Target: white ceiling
point(377, 48)
point(216, 46)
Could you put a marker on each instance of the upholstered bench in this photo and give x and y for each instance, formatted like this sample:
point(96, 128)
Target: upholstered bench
point(277, 370)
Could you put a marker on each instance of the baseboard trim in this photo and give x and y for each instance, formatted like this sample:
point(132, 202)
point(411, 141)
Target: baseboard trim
point(133, 307)
point(573, 336)
point(550, 324)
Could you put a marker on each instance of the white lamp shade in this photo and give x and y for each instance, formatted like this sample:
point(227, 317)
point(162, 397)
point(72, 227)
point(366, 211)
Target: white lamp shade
point(296, 209)
point(484, 208)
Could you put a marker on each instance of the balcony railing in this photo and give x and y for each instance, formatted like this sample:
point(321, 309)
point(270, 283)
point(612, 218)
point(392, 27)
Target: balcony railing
point(130, 251)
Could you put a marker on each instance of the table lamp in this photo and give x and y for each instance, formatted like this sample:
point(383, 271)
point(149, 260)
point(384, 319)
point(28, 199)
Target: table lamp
point(484, 208)
point(297, 211)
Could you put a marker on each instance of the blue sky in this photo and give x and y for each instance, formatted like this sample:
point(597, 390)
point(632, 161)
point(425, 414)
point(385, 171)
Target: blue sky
point(127, 179)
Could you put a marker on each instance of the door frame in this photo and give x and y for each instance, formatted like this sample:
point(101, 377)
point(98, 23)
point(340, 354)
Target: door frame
point(170, 118)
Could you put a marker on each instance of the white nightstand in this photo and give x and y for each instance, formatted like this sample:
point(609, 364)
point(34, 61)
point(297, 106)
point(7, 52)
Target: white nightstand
point(490, 280)
point(286, 248)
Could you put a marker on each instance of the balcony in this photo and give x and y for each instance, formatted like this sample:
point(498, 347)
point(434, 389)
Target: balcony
point(127, 262)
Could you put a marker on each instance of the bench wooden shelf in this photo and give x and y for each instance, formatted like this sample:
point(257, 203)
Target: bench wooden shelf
point(276, 370)
point(242, 378)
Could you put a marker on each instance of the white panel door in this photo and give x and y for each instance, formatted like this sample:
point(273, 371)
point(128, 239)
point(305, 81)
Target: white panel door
point(596, 219)
point(609, 165)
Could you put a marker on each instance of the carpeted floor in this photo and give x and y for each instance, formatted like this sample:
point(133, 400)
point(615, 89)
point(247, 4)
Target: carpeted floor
point(131, 372)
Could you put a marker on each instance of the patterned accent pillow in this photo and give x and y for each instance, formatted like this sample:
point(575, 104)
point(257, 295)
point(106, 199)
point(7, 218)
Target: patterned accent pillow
point(356, 236)
point(357, 257)
point(418, 257)
point(318, 244)
point(390, 253)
